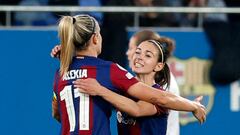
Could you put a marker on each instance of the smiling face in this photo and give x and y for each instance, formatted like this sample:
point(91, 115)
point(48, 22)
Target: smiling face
point(145, 59)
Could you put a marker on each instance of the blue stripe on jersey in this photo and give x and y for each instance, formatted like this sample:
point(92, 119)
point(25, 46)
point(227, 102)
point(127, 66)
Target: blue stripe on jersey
point(101, 108)
point(56, 81)
point(153, 125)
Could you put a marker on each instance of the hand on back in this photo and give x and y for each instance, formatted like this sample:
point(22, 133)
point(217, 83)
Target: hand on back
point(89, 86)
point(55, 53)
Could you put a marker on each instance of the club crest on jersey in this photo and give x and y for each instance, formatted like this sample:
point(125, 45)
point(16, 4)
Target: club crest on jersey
point(192, 76)
point(75, 74)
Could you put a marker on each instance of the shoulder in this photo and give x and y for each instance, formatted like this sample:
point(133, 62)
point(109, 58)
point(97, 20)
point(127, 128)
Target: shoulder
point(104, 62)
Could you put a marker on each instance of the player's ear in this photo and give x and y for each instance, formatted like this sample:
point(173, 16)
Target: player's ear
point(95, 38)
point(158, 67)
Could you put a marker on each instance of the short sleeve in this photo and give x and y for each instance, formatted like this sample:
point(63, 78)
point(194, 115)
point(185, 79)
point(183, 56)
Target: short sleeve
point(121, 78)
point(55, 82)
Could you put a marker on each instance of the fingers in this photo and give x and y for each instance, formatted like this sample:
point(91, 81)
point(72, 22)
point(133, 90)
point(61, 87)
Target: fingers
point(52, 53)
point(79, 81)
point(79, 84)
point(81, 90)
point(201, 119)
point(85, 86)
point(81, 87)
point(200, 114)
point(199, 99)
point(55, 51)
point(204, 117)
point(82, 83)
point(85, 81)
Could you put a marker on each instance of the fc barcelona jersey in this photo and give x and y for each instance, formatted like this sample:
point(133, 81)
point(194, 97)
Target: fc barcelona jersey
point(148, 125)
point(80, 113)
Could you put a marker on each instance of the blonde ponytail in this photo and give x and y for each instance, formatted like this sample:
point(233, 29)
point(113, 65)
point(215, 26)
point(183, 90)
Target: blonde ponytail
point(74, 33)
point(65, 31)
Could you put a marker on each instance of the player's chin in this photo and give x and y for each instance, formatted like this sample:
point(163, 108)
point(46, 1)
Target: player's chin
point(138, 71)
point(134, 69)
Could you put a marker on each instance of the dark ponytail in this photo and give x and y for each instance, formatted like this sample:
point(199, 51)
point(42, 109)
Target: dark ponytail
point(163, 77)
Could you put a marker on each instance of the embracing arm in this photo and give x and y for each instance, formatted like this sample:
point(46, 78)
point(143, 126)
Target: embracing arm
point(161, 98)
point(149, 94)
point(168, 100)
point(128, 105)
point(122, 103)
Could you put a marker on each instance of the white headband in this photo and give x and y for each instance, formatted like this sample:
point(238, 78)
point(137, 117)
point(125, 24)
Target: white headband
point(158, 44)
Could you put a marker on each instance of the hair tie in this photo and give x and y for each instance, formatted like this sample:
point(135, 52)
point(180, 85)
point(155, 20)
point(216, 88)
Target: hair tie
point(74, 20)
point(164, 44)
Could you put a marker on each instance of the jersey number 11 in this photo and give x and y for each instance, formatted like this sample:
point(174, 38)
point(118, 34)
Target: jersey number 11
point(66, 94)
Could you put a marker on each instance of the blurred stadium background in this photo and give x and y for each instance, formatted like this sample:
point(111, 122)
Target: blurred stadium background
point(206, 59)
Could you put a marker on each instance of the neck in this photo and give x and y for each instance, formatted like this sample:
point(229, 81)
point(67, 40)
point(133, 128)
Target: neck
point(146, 78)
point(88, 52)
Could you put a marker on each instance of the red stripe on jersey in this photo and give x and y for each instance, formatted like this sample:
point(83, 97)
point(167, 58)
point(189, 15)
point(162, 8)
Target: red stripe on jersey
point(135, 129)
point(64, 115)
point(121, 78)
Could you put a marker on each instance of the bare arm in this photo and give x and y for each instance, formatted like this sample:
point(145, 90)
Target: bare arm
point(168, 100)
point(122, 103)
point(161, 98)
point(149, 94)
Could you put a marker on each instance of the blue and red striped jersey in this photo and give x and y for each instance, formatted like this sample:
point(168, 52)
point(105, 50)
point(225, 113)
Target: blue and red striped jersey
point(81, 113)
point(150, 125)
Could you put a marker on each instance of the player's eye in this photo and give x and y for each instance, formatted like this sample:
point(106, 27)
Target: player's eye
point(148, 56)
point(137, 52)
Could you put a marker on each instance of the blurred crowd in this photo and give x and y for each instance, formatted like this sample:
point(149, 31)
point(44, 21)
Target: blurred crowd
point(222, 30)
point(145, 19)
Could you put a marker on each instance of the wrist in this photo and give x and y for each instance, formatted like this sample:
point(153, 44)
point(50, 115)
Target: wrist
point(195, 106)
point(102, 91)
